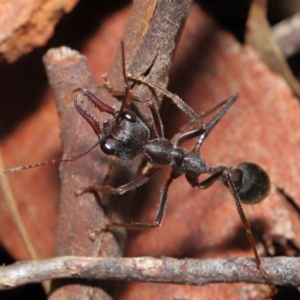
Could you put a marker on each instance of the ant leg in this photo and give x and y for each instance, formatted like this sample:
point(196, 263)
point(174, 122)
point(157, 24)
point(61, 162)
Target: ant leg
point(156, 117)
point(127, 94)
point(155, 114)
point(205, 129)
point(214, 121)
point(154, 111)
point(176, 99)
point(127, 86)
point(160, 211)
point(188, 135)
point(229, 182)
point(121, 189)
point(217, 173)
point(203, 133)
point(224, 174)
point(183, 135)
point(107, 85)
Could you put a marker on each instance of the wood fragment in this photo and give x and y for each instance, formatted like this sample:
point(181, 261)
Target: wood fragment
point(287, 35)
point(259, 35)
point(283, 270)
point(25, 25)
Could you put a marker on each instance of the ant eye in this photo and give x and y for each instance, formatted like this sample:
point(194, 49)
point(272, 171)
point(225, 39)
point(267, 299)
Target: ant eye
point(107, 149)
point(129, 116)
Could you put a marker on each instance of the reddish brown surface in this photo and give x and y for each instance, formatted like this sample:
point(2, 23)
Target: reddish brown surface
point(36, 192)
point(262, 127)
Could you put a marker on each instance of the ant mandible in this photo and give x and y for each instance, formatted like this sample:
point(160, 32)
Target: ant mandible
point(126, 136)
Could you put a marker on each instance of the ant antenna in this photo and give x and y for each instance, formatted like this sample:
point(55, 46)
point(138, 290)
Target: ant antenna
point(53, 161)
point(127, 87)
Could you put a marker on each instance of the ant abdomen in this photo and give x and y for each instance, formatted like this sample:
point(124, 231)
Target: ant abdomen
point(251, 181)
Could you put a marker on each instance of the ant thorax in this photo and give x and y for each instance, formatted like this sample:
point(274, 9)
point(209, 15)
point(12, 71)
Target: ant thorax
point(161, 152)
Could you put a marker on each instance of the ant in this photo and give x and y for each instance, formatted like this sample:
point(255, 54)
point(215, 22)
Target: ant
point(125, 136)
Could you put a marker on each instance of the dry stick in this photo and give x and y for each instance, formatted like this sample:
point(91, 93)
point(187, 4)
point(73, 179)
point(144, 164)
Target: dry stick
point(12, 206)
point(68, 70)
point(283, 270)
point(287, 35)
point(14, 212)
point(13, 209)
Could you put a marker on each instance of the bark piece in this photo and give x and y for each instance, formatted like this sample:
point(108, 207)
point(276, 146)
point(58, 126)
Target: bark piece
point(25, 25)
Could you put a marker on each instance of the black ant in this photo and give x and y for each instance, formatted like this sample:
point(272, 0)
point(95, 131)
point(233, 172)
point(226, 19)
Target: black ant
point(126, 136)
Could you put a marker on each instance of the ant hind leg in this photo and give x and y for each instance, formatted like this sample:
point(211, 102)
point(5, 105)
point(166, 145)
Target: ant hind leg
point(227, 179)
point(227, 176)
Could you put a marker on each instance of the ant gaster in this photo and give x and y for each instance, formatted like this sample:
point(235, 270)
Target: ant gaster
point(126, 136)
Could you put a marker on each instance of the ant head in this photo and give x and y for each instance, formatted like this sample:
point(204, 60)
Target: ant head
point(123, 136)
point(251, 181)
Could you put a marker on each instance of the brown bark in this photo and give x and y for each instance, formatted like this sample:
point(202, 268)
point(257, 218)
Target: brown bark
point(25, 25)
point(283, 270)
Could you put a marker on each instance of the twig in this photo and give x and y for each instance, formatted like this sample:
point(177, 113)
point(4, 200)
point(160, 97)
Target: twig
point(259, 36)
point(282, 270)
point(14, 212)
point(287, 35)
point(12, 206)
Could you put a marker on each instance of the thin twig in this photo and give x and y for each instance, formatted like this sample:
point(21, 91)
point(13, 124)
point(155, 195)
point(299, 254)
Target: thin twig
point(282, 270)
point(12, 206)
point(287, 35)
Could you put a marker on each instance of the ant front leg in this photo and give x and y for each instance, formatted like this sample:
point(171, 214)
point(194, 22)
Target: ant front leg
point(127, 95)
point(121, 189)
point(176, 99)
point(154, 111)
